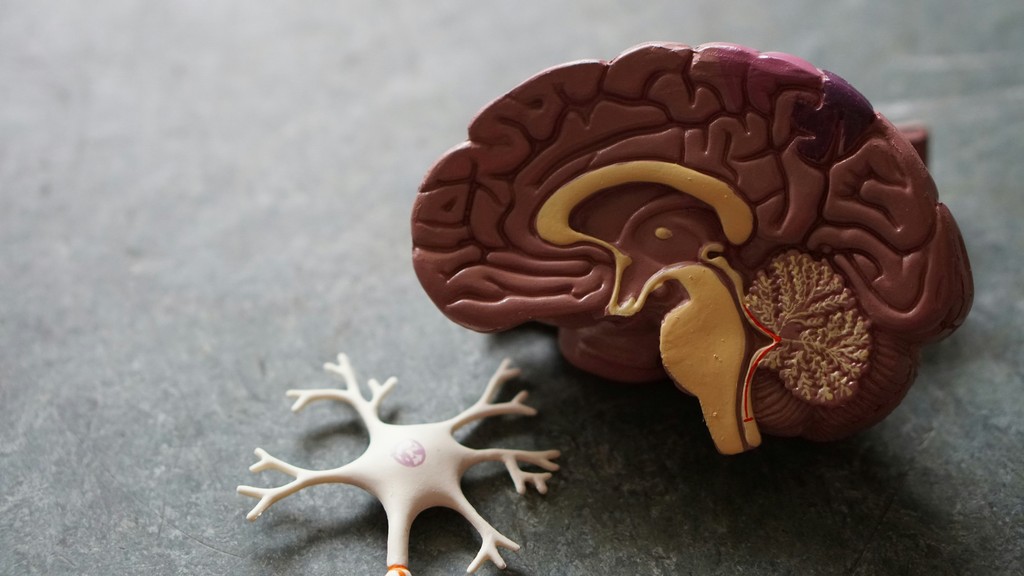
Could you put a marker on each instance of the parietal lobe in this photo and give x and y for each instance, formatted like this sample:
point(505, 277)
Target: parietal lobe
point(743, 222)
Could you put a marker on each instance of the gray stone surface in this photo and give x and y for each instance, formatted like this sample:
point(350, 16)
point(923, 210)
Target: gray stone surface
point(201, 202)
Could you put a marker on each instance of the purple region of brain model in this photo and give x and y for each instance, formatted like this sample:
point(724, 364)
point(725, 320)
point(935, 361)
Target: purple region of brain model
point(743, 222)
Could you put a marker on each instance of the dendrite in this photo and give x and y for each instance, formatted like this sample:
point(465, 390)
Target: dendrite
point(412, 468)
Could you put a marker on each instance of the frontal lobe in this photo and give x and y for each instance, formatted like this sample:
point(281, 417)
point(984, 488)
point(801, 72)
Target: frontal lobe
point(835, 193)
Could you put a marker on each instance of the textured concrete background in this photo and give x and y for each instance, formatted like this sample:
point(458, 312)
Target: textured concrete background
point(203, 201)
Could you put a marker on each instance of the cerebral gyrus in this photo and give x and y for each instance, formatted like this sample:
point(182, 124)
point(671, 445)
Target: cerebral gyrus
point(643, 203)
point(415, 467)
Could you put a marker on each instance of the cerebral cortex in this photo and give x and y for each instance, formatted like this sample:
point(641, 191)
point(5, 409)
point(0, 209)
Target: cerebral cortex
point(823, 174)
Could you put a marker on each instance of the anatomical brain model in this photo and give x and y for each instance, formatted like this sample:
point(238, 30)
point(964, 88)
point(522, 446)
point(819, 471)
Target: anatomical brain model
point(744, 222)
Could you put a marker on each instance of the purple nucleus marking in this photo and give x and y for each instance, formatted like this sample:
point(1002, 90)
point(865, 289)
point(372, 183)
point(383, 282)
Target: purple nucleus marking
point(409, 453)
point(837, 123)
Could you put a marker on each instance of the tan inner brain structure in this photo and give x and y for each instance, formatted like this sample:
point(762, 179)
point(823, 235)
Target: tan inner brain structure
point(845, 222)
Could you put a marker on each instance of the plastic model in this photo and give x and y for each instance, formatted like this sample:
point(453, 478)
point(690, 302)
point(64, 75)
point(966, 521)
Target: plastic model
point(414, 467)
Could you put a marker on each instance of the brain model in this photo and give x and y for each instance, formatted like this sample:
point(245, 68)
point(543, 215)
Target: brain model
point(742, 221)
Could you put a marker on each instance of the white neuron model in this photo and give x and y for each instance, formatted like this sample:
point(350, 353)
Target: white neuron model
point(412, 468)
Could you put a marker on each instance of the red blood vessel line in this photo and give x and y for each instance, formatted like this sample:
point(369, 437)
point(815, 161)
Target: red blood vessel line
point(753, 365)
